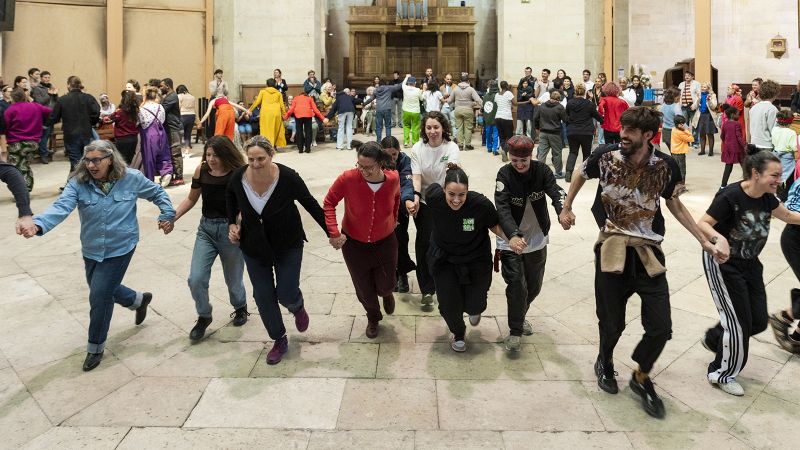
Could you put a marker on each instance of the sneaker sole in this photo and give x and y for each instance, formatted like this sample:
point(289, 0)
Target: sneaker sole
point(719, 386)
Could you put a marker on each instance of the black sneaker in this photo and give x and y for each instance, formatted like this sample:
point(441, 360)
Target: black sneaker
point(239, 316)
point(605, 376)
point(650, 401)
point(92, 360)
point(402, 284)
point(199, 329)
point(708, 345)
point(141, 311)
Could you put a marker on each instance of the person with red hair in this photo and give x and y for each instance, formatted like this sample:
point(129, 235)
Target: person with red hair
point(611, 108)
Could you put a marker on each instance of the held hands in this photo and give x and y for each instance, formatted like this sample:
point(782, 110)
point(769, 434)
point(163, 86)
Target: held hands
point(412, 207)
point(233, 233)
point(25, 227)
point(517, 244)
point(338, 242)
point(566, 219)
point(325, 121)
point(721, 251)
point(166, 226)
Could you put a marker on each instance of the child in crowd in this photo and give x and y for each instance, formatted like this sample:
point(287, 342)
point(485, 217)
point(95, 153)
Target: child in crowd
point(733, 143)
point(681, 138)
point(784, 142)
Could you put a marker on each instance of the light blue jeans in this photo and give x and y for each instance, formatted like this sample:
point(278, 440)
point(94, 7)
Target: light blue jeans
point(787, 164)
point(345, 134)
point(212, 240)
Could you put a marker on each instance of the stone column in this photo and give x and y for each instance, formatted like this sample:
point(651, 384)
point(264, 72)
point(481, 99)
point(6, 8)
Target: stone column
point(702, 40)
point(471, 52)
point(115, 71)
point(383, 69)
point(352, 60)
point(608, 39)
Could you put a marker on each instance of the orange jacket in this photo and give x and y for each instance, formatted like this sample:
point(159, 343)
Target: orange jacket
point(303, 106)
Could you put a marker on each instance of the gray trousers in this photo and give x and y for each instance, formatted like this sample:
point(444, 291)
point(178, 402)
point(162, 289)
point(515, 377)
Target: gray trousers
point(548, 142)
point(397, 113)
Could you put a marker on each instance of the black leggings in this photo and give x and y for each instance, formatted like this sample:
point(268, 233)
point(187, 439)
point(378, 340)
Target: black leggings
point(707, 138)
point(726, 174)
point(790, 245)
point(505, 129)
point(576, 141)
point(127, 147)
point(304, 133)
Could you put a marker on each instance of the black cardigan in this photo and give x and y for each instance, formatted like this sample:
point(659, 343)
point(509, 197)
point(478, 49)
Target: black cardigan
point(514, 189)
point(278, 227)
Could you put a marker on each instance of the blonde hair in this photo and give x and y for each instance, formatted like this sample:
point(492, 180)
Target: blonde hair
point(580, 89)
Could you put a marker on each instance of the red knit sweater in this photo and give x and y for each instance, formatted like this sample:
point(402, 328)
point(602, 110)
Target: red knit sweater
point(611, 108)
point(368, 216)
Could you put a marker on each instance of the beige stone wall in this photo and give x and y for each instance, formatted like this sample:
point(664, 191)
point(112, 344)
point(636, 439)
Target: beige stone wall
point(662, 33)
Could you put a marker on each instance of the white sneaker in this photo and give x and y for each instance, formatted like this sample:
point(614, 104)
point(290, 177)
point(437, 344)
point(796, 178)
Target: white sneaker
point(512, 343)
point(165, 180)
point(731, 387)
point(458, 346)
point(527, 328)
point(475, 320)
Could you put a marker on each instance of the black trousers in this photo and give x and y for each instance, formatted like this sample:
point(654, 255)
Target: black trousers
point(127, 147)
point(523, 275)
point(304, 133)
point(505, 129)
point(578, 141)
point(666, 137)
point(737, 288)
point(372, 268)
point(404, 262)
point(462, 289)
point(790, 245)
point(424, 224)
point(612, 292)
point(611, 137)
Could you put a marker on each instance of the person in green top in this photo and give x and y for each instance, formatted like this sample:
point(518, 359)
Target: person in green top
point(489, 128)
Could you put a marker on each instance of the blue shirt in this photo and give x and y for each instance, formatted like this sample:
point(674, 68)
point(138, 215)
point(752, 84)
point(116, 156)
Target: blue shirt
point(704, 102)
point(793, 200)
point(109, 226)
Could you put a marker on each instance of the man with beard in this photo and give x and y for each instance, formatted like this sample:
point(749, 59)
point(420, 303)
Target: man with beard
point(172, 110)
point(447, 90)
point(633, 177)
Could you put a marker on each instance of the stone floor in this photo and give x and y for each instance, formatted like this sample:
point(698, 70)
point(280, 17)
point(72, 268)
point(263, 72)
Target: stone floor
point(336, 388)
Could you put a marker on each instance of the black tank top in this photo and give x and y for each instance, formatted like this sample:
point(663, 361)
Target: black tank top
point(213, 193)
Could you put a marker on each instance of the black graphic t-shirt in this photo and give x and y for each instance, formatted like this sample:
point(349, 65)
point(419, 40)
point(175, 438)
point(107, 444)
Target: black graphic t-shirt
point(743, 220)
point(462, 235)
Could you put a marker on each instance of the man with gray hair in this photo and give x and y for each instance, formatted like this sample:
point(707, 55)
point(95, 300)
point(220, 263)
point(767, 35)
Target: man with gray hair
point(465, 99)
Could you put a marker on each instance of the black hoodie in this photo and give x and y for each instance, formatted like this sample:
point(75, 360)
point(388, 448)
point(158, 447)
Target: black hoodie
point(549, 116)
point(580, 112)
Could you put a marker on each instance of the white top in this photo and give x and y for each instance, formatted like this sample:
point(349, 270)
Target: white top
point(589, 85)
point(433, 100)
point(629, 95)
point(503, 102)
point(544, 90)
point(375, 186)
point(411, 96)
point(258, 201)
point(531, 232)
point(431, 162)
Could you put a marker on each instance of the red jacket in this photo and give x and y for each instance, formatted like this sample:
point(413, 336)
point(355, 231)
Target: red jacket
point(368, 216)
point(303, 106)
point(611, 108)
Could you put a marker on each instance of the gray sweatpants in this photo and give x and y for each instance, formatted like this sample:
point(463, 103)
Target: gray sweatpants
point(548, 142)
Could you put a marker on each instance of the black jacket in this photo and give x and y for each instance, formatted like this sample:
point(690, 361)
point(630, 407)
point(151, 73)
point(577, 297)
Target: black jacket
point(172, 112)
point(580, 112)
point(548, 117)
point(79, 112)
point(795, 102)
point(278, 227)
point(514, 189)
point(344, 103)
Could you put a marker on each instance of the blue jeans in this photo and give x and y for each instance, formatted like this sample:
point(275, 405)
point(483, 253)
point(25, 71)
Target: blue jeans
point(268, 293)
point(73, 147)
point(345, 134)
point(46, 132)
point(490, 132)
point(383, 119)
point(106, 289)
point(212, 240)
point(689, 113)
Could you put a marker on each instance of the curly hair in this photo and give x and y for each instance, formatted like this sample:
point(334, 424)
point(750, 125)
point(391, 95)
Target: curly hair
point(611, 89)
point(442, 119)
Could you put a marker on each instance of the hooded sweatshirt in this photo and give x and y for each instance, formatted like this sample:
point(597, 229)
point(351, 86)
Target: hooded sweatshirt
point(549, 116)
point(464, 96)
point(580, 112)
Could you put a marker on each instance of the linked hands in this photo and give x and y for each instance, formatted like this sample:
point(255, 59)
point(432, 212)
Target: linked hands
point(25, 227)
point(517, 244)
point(338, 242)
point(566, 218)
point(165, 225)
point(412, 207)
point(233, 233)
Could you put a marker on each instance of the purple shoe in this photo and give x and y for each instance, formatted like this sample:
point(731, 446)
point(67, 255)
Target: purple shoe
point(301, 320)
point(279, 348)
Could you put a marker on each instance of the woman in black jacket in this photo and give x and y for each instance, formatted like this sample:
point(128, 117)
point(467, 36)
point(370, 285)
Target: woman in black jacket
point(580, 127)
point(271, 236)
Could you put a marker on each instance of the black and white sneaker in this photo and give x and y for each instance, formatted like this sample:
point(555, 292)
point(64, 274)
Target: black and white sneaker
point(605, 376)
point(651, 403)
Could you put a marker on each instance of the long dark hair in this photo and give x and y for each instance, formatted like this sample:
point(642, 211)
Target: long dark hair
point(129, 104)
point(224, 149)
point(757, 159)
point(373, 151)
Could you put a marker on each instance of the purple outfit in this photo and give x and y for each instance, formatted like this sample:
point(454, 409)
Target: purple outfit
point(24, 121)
point(155, 145)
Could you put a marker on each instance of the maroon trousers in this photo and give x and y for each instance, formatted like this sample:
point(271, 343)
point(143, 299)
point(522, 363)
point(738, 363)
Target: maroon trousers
point(372, 268)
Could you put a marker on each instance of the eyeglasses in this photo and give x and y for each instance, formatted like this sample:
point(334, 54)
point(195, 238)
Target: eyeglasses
point(95, 161)
point(366, 169)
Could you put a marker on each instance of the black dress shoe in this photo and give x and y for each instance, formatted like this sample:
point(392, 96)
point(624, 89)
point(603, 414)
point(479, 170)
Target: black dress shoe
point(199, 329)
point(402, 284)
point(240, 316)
point(141, 311)
point(650, 402)
point(605, 376)
point(92, 360)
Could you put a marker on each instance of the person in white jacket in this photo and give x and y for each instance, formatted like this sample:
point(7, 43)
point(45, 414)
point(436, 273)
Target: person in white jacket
point(690, 93)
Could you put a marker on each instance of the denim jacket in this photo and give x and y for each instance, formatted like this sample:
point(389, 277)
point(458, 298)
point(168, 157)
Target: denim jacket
point(109, 226)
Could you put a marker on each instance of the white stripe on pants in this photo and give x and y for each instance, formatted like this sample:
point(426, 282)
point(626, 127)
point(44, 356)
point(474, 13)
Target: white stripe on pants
point(732, 338)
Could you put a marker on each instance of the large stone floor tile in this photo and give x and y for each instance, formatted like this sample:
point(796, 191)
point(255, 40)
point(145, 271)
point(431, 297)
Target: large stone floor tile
point(143, 347)
point(372, 439)
point(213, 438)
point(673, 440)
point(211, 358)
point(521, 440)
point(99, 438)
point(310, 403)
point(515, 405)
point(322, 328)
point(388, 405)
point(438, 361)
point(458, 440)
point(702, 305)
point(571, 362)
point(321, 360)
point(21, 419)
point(785, 384)
point(766, 423)
point(390, 329)
point(145, 401)
point(546, 330)
point(63, 389)
point(20, 287)
point(434, 329)
point(327, 284)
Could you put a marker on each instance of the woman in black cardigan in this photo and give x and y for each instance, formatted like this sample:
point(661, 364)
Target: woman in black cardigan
point(271, 236)
point(581, 114)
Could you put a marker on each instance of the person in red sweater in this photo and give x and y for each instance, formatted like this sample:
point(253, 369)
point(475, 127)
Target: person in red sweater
point(24, 121)
point(611, 108)
point(371, 196)
point(304, 109)
point(126, 126)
